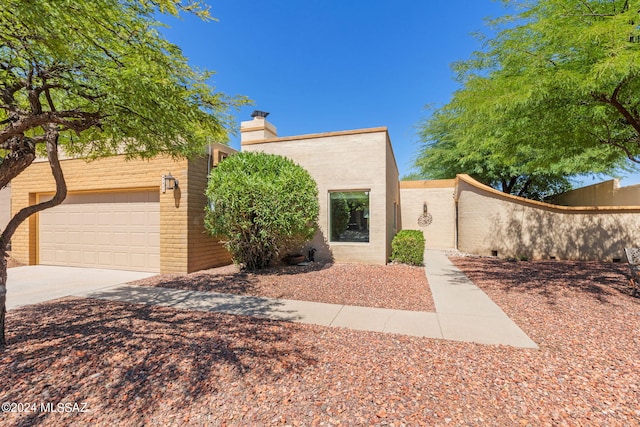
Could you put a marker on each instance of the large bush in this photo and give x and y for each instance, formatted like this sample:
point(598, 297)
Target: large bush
point(408, 247)
point(263, 205)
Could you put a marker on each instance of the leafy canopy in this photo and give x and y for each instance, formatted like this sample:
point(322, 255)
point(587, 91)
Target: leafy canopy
point(103, 75)
point(553, 94)
point(263, 205)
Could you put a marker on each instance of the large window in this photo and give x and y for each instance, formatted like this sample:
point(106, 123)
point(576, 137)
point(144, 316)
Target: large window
point(349, 216)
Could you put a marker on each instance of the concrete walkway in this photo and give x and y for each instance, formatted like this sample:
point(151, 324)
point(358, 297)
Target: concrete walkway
point(463, 311)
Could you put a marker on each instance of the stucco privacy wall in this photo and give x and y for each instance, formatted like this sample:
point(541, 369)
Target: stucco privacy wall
point(184, 247)
point(492, 222)
point(439, 197)
point(344, 161)
point(608, 193)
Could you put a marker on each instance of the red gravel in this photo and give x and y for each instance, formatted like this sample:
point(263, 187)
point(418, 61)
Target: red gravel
point(136, 365)
point(401, 287)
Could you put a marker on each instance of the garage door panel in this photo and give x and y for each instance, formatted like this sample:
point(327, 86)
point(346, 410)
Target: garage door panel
point(89, 258)
point(107, 230)
point(74, 257)
point(74, 237)
point(106, 238)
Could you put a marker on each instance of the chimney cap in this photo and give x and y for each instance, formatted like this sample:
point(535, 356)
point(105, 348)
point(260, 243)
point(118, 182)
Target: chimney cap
point(258, 113)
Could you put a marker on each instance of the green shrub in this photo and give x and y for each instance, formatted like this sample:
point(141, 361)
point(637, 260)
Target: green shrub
point(408, 247)
point(263, 205)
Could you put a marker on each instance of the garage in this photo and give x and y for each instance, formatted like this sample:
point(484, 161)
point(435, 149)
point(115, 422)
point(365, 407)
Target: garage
point(115, 230)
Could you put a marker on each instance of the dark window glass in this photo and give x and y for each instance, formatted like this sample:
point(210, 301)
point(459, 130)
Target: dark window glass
point(349, 216)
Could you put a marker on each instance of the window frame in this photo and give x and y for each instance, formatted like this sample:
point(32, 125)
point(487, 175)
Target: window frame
point(330, 222)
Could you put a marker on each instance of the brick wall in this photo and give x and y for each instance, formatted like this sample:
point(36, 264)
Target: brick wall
point(205, 251)
point(180, 237)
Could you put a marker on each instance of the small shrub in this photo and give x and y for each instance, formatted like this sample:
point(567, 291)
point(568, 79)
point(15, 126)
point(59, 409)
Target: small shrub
point(408, 247)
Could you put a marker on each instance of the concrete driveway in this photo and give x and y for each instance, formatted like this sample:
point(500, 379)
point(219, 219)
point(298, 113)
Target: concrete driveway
point(38, 283)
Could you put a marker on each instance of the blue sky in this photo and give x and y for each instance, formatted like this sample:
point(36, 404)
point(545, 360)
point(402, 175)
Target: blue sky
point(332, 65)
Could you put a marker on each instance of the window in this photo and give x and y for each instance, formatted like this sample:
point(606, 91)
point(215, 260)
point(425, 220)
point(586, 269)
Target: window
point(349, 216)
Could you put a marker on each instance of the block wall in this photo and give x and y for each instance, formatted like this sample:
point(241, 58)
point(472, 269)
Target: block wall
point(490, 222)
point(440, 233)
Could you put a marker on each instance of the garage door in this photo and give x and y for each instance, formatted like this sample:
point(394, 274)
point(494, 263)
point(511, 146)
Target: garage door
point(105, 230)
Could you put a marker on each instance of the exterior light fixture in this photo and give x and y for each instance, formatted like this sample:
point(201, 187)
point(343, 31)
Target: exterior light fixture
point(424, 208)
point(258, 113)
point(169, 183)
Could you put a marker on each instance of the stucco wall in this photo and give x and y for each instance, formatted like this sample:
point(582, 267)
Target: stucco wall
point(350, 160)
point(438, 194)
point(607, 193)
point(491, 221)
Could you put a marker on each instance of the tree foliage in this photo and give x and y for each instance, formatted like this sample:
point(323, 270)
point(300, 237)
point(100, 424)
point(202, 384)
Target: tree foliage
point(555, 92)
point(263, 205)
point(95, 78)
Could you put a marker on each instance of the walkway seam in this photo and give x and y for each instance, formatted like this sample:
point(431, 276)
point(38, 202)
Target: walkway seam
point(336, 316)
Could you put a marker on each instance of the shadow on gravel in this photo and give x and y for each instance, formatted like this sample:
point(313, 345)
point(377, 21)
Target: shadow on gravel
point(133, 358)
point(234, 282)
point(603, 281)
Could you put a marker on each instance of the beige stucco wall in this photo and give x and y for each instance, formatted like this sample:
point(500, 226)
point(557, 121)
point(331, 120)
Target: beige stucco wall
point(438, 194)
point(607, 193)
point(350, 160)
point(492, 221)
point(183, 245)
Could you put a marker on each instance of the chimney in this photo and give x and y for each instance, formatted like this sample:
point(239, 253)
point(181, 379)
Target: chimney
point(257, 129)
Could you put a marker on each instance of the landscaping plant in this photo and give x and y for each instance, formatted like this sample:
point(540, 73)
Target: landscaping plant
point(262, 205)
point(408, 247)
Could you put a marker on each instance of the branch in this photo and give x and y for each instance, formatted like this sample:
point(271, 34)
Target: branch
point(70, 119)
point(22, 152)
point(52, 134)
point(613, 101)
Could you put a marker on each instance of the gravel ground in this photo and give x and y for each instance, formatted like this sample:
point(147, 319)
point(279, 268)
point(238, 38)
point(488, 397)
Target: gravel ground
point(135, 365)
point(398, 286)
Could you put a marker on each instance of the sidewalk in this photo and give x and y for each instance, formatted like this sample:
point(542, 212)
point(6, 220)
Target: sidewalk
point(463, 311)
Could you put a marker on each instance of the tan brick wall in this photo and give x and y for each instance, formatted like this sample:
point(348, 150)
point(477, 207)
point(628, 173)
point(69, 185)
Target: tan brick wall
point(438, 194)
point(350, 160)
point(179, 239)
point(512, 226)
point(5, 206)
point(205, 251)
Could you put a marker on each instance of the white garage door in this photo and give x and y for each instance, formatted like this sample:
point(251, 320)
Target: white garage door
point(104, 230)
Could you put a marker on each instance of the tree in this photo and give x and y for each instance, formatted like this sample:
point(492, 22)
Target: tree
point(263, 205)
point(554, 92)
point(94, 78)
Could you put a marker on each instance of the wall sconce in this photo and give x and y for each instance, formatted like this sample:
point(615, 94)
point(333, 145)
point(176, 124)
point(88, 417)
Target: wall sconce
point(424, 208)
point(169, 183)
